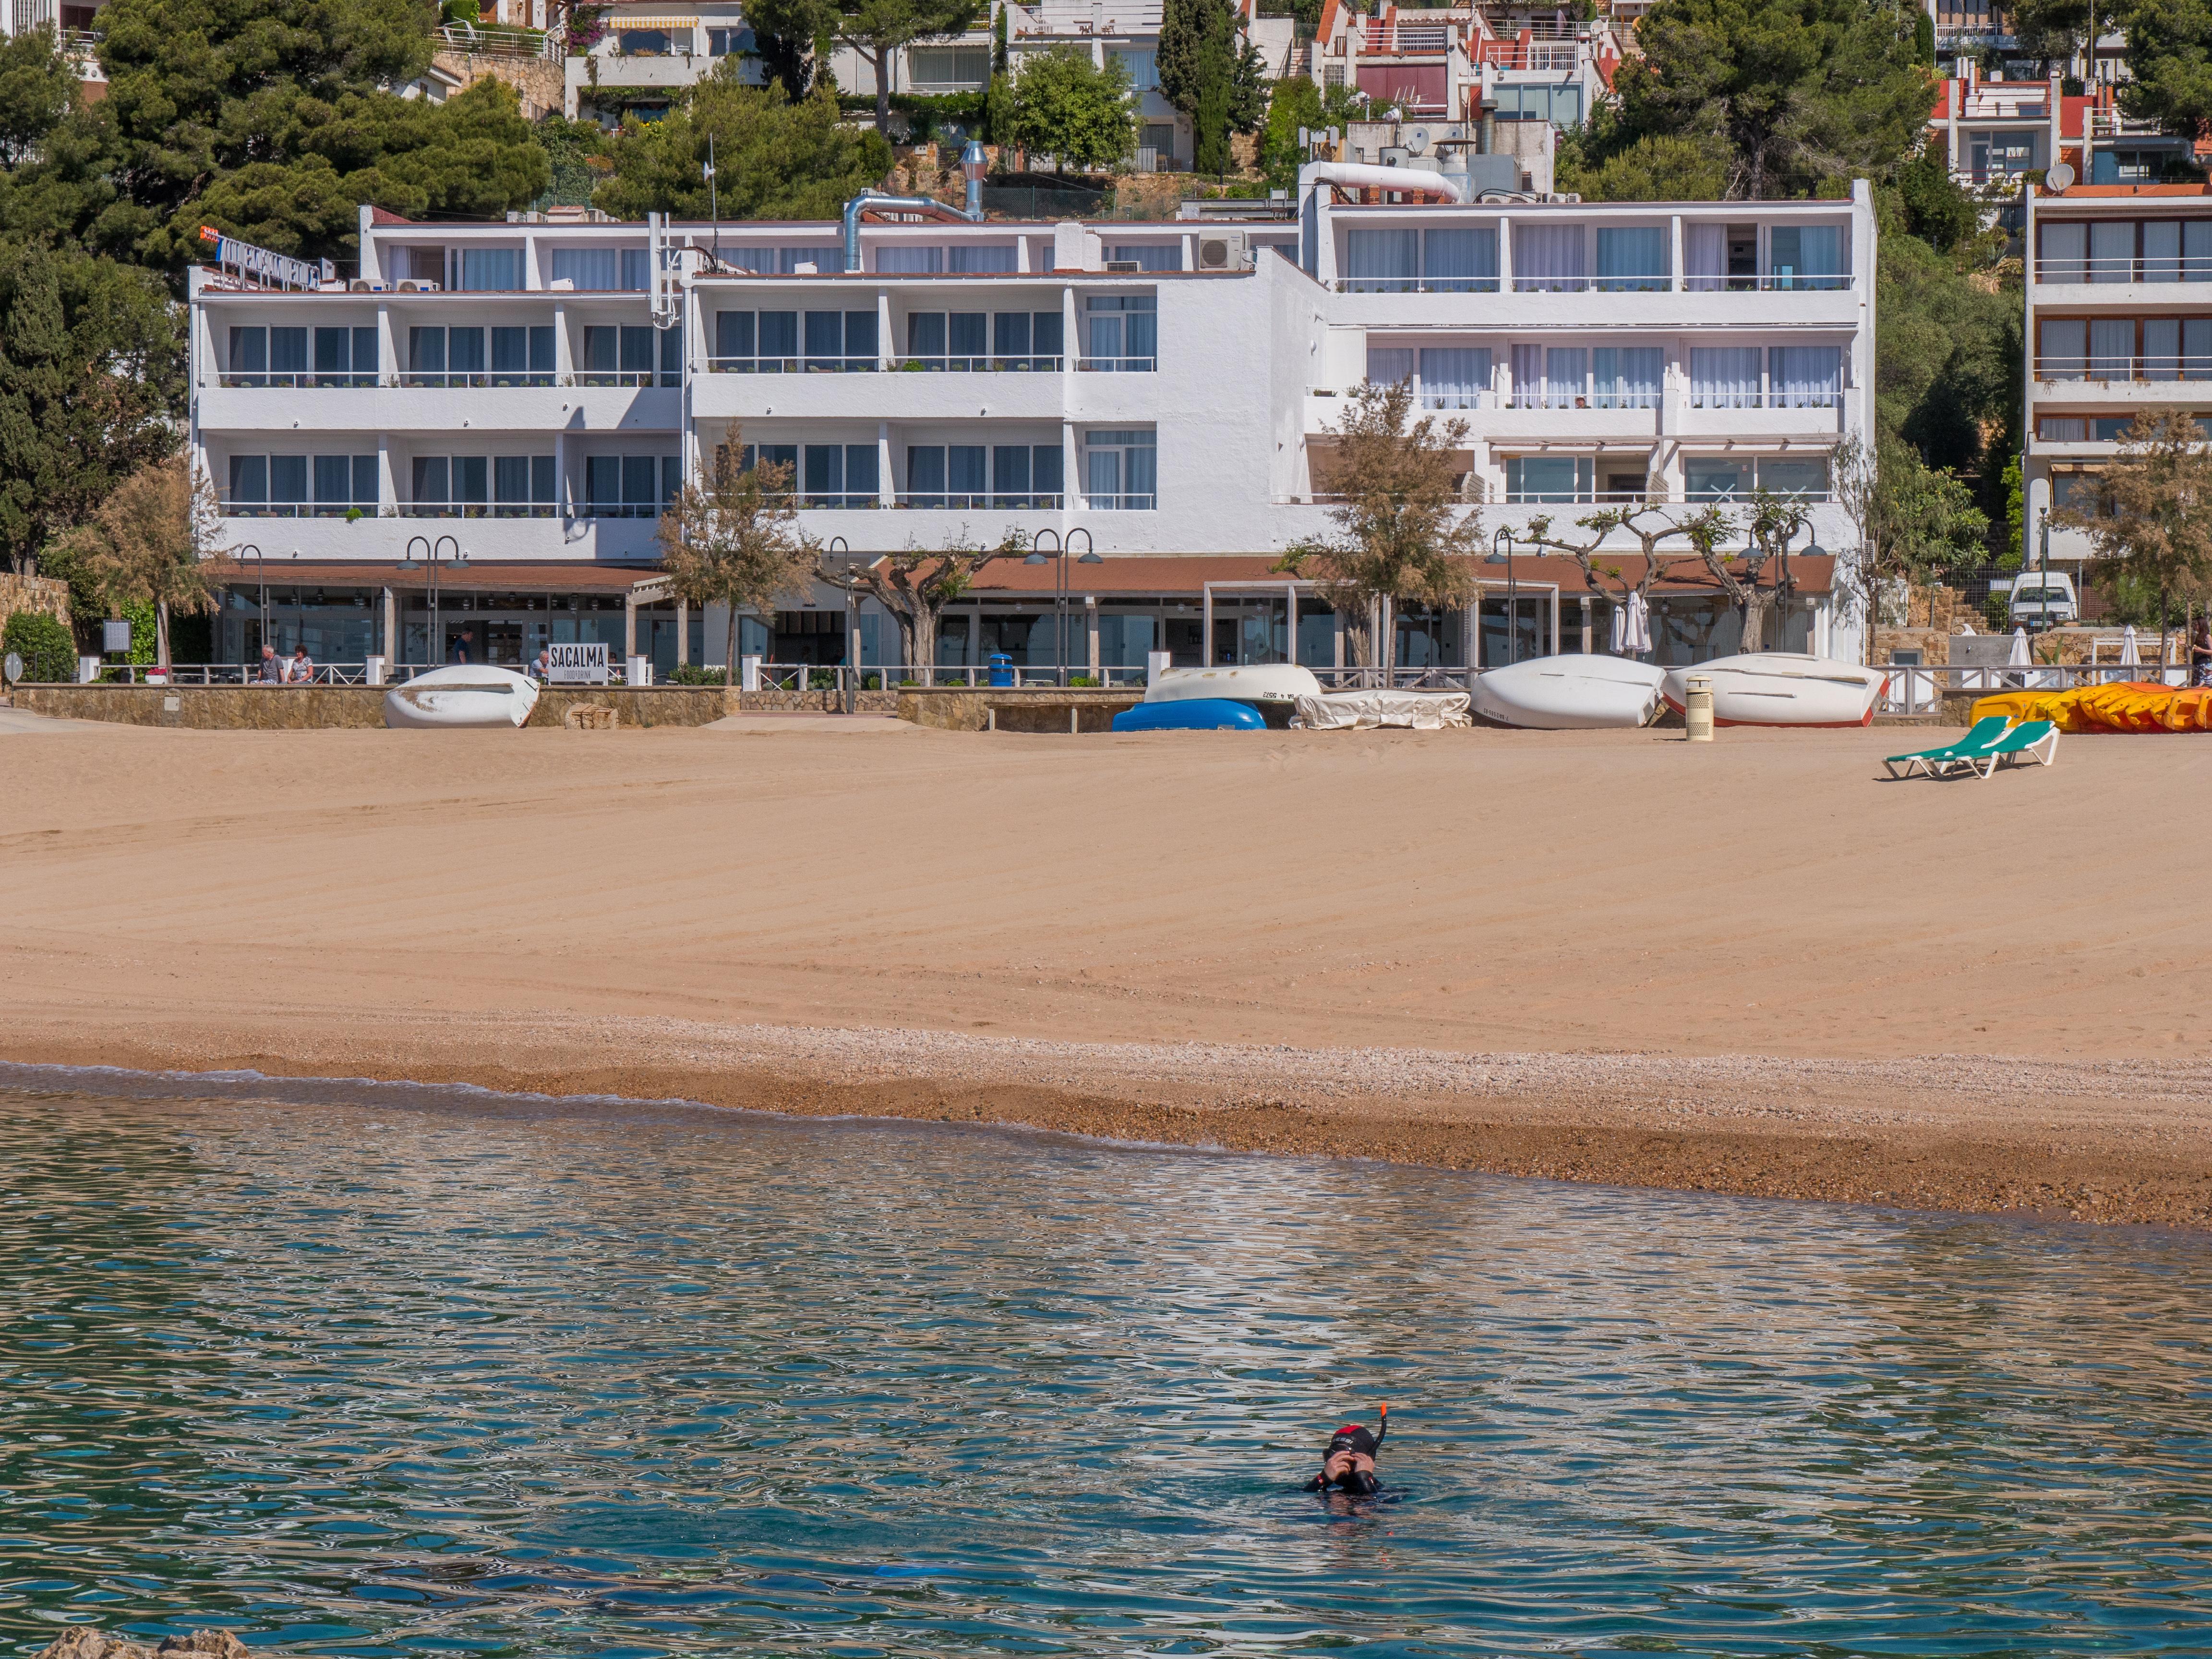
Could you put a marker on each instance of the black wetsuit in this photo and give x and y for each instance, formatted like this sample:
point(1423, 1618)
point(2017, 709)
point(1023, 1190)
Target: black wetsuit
point(1352, 1437)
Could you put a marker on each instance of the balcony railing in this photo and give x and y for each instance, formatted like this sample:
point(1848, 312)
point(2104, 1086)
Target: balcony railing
point(1117, 365)
point(1816, 399)
point(237, 509)
point(458, 379)
point(1544, 397)
point(451, 381)
point(2125, 370)
point(1121, 503)
point(479, 510)
point(630, 377)
point(1418, 285)
point(294, 377)
point(799, 365)
point(1777, 282)
point(2123, 270)
point(940, 501)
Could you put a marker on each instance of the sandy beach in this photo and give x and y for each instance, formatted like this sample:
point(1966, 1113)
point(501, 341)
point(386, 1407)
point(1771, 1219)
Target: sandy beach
point(1755, 966)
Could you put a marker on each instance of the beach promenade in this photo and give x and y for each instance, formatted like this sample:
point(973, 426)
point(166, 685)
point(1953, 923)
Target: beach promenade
point(1751, 967)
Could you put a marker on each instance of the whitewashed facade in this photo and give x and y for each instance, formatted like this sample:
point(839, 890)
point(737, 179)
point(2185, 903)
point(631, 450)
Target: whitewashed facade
point(534, 391)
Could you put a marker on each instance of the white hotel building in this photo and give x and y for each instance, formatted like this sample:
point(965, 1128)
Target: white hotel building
point(530, 393)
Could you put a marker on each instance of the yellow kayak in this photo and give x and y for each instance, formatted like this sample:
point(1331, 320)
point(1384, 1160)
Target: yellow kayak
point(2125, 706)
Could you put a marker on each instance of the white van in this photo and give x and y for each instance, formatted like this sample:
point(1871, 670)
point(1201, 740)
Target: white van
point(2044, 598)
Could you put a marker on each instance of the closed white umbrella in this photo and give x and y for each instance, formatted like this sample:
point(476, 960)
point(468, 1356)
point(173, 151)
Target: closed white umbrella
point(1619, 646)
point(2020, 658)
point(1639, 625)
point(2129, 657)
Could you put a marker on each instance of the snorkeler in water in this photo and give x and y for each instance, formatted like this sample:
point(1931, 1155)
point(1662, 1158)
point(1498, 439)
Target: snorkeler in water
point(1348, 1465)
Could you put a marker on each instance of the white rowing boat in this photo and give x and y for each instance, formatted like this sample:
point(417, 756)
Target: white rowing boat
point(1282, 683)
point(466, 695)
point(1569, 693)
point(1783, 688)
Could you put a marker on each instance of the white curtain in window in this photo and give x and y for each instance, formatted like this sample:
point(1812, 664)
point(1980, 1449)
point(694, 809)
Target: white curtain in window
point(1705, 257)
point(2112, 347)
point(491, 269)
point(1141, 468)
point(1460, 261)
point(637, 268)
point(981, 258)
point(1626, 377)
point(1807, 377)
point(1454, 377)
point(1547, 258)
point(2161, 251)
point(1101, 476)
point(2065, 249)
point(1388, 365)
point(908, 260)
point(1633, 257)
point(2162, 348)
point(1383, 261)
point(598, 268)
point(2112, 251)
point(1565, 368)
point(2197, 251)
point(1805, 256)
point(2064, 349)
point(2196, 349)
point(1528, 377)
point(1724, 377)
point(1148, 256)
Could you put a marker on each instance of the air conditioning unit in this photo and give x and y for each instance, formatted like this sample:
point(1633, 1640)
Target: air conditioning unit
point(1119, 265)
point(1225, 250)
point(413, 287)
point(362, 285)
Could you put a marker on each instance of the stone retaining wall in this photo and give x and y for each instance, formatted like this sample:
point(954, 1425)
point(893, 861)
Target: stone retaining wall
point(326, 708)
point(38, 593)
point(962, 709)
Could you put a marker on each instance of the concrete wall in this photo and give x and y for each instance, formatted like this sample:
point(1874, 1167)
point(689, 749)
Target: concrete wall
point(1015, 711)
point(323, 707)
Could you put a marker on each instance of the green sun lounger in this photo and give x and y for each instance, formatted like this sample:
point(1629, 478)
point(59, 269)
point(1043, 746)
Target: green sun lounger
point(1981, 739)
point(2035, 740)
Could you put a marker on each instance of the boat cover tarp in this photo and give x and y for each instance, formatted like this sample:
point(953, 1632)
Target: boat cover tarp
point(2127, 706)
point(1344, 711)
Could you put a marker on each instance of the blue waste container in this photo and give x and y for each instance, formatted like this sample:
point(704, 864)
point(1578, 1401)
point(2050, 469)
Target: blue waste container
point(1002, 670)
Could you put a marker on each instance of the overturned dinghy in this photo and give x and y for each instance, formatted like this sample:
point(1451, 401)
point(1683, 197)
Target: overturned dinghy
point(1783, 688)
point(1346, 711)
point(1191, 714)
point(1569, 693)
point(1267, 684)
point(463, 696)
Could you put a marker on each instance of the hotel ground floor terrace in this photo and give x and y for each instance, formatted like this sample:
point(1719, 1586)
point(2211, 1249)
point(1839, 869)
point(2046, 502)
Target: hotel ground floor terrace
point(1104, 618)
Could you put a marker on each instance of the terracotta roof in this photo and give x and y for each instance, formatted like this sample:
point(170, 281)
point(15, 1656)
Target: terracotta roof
point(481, 575)
point(377, 215)
point(1012, 578)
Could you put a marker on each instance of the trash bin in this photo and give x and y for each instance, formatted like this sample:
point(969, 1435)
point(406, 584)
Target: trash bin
point(1002, 672)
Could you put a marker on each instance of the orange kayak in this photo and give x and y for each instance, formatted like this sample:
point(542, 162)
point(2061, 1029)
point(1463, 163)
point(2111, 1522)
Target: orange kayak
point(2125, 706)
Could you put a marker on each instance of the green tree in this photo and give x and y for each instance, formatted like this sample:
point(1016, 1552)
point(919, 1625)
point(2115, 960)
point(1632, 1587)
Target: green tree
point(36, 90)
point(1293, 102)
point(1937, 209)
point(48, 652)
point(877, 29)
point(1066, 106)
point(2152, 526)
point(915, 584)
point(1914, 523)
point(1212, 73)
point(732, 539)
point(2169, 63)
point(1404, 531)
point(773, 159)
point(1657, 167)
point(91, 377)
point(1795, 94)
point(2053, 31)
point(147, 542)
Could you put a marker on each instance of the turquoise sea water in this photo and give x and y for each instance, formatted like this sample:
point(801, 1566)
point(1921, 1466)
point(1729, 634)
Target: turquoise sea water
point(366, 1370)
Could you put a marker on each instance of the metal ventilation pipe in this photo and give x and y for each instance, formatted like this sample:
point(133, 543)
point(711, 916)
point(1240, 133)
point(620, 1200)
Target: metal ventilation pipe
point(875, 201)
point(973, 165)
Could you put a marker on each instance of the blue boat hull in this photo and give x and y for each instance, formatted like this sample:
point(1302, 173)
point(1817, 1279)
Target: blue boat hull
point(1191, 714)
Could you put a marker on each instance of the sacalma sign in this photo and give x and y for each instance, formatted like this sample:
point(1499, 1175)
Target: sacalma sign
point(576, 665)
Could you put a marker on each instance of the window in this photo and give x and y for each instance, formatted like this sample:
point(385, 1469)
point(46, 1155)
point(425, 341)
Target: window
point(783, 456)
point(1025, 476)
point(1724, 377)
point(1121, 470)
point(1538, 478)
point(446, 357)
point(270, 356)
point(837, 475)
point(755, 343)
point(1160, 139)
point(906, 259)
point(1124, 333)
point(345, 356)
point(947, 476)
point(2082, 492)
point(1147, 256)
point(647, 43)
point(2002, 155)
point(782, 261)
point(1807, 256)
point(606, 270)
point(491, 269)
point(522, 356)
point(981, 258)
point(449, 486)
point(730, 43)
point(1715, 479)
point(1562, 106)
point(2110, 429)
point(2177, 348)
point(522, 486)
point(300, 486)
point(1550, 377)
point(1806, 377)
point(2063, 429)
point(625, 355)
point(1794, 474)
point(2065, 254)
point(1632, 258)
point(1381, 261)
point(2063, 349)
point(978, 341)
point(840, 340)
point(1547, 259)
point(958, 68)
point(1141, 65)
point(2112, 251)
point(1626, 377)
point(1389, 365)
point(1454, 377)
point(2112, 349)
point(629, 486)
point(1459, 261)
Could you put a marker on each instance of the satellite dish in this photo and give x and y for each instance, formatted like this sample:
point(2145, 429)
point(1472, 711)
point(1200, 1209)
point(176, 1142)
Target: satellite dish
point(1417, 140)
point(2059, 179)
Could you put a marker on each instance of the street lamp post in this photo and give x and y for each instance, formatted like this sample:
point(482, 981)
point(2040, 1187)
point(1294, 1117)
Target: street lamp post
point(1505, 538)
point(1057, 556)
point(851, 649)
point(261, 571)
point(433, 650)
